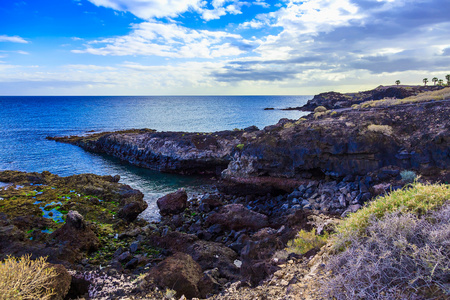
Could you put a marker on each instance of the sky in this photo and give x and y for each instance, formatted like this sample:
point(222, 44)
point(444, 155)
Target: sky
point(219, 47)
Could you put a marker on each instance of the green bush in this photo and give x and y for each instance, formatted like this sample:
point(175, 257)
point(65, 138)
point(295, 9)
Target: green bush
point(240, 147)
point(24, 278)
point(305, 241)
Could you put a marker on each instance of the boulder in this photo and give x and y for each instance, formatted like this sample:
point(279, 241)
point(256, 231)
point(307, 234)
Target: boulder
point(61, 283)
point(257, 253)
point(132, 202)
point(237, 217)
point(180, 273)
point(75, 237)
point(173, 203)
point(208, 254)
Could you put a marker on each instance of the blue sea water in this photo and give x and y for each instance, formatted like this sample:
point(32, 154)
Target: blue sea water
point(26, 121)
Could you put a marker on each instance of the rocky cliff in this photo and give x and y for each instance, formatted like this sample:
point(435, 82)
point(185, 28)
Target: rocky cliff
point(180, 152)
point(350, 142)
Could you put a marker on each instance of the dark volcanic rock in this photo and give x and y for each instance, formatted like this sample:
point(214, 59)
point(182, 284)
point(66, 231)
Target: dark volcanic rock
point(76, 237)
point(209, 202)
point(186, 153)
point(358, 142)
point(328, 100)
point(180, 273)
point(334, 100)
point(173, 203)
point(208, 254)
point(62, 282)
point(237, 217)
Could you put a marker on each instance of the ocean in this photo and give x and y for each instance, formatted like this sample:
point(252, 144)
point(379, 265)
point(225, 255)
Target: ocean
point(26, 121)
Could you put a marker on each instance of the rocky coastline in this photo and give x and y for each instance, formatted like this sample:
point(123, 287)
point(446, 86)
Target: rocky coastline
point(295, 175)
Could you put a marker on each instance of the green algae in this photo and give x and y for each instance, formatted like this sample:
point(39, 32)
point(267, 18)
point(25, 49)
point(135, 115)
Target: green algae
point(45, 205)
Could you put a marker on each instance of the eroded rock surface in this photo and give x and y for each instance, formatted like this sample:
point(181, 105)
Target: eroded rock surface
point(353, 142)
point(186, 153)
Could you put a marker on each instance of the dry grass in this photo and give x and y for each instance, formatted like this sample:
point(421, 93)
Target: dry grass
point(400, 256)
point(24, 278)
point(443, 94)
point(320, 109)
point(383, 129)
point(417, 198)
point(305, 241)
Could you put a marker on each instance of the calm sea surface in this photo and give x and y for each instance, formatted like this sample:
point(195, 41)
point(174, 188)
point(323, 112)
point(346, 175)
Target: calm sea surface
point(26, 121)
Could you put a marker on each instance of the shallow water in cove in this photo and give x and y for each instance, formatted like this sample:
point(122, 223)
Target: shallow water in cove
point(26, 121)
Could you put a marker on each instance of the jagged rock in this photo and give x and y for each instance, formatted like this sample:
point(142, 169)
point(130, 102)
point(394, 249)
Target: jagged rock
point(186, 153)
point(173, 203)
point(237, 217)
point(348, 145)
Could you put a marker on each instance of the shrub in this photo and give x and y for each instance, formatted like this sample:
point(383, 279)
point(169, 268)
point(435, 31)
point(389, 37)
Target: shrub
point(417, 198)
point(320, 109)
point(288, 125)
point(24, 278)
point(408, 176)
point(305, 241)
point(383, 129)
point(240, 147)
point(300, 121)
point(400, 256)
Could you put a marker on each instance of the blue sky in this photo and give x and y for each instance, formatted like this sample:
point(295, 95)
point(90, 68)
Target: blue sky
point(219, 47)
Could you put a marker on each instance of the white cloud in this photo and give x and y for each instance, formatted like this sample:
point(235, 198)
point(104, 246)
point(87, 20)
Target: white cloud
point(13, 39)
point(221, 8)
point(261, 3)
point(313, 16)
point(90, 67)
point(147, 9)
point(168, 40)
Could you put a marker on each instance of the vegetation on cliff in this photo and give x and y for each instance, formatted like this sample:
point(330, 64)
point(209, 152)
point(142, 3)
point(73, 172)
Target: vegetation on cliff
point(395, 248)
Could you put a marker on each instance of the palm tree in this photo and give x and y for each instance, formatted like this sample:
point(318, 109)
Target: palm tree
point(425, 80)
point(440, 82)
point(448, 79)
point(435, 80)
point(397, 82)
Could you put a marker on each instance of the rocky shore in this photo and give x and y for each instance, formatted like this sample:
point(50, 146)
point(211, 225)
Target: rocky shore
point(175, 152)
point(333, 143)
point(296, 175)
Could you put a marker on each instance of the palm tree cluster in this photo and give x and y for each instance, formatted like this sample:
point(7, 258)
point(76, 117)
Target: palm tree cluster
point(437, 81)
